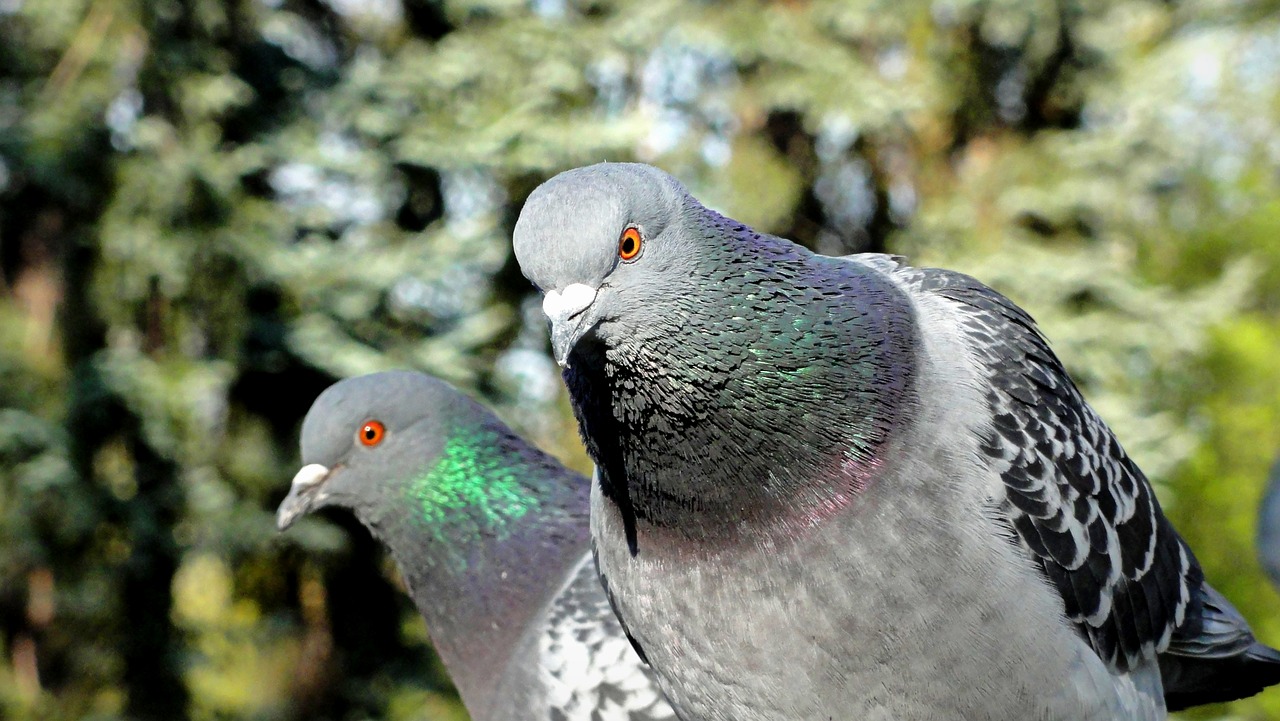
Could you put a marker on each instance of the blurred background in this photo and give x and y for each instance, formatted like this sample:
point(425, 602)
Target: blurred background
point(210, 210)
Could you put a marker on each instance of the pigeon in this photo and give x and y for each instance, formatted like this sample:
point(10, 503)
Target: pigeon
point(491, 538)
point(848, 488)
point(1269, 527)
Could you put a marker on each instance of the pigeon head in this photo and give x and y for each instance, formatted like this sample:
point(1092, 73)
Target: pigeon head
point(484, 527)
point(365, 438)
point(601, 242)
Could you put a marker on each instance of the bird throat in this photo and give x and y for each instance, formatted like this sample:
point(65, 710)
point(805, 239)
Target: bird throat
point(763, 409)
point(489, 532)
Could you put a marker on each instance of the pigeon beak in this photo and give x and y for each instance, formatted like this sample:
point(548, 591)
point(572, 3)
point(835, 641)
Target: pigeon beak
point(303, 494)
point(566, 310)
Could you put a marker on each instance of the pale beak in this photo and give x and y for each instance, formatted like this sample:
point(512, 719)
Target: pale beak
point(566, 310)
point(303, 494)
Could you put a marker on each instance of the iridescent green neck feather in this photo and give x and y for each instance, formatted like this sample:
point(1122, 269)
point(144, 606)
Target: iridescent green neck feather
point(474, 487)
point(485, 535)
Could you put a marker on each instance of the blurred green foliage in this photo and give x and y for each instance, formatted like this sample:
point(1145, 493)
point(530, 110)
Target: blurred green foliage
point(210, 210)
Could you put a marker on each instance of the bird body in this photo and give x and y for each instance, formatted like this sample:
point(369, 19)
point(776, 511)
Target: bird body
point(866, 629)
point(491, 538)
point(1268, 541)
point(848, 488)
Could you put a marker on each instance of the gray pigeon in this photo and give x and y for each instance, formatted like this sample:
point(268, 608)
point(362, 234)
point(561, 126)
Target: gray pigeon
point(846, 488)
point(491, 537)
point(1269, 527)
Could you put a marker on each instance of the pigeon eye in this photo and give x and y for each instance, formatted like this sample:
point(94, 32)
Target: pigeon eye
point(371, 433)
point(629, 244)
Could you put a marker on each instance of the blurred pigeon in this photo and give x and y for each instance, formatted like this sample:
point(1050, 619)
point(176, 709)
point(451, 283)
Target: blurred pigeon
point(1269, 527)
point(491, 537)
point(849, 488)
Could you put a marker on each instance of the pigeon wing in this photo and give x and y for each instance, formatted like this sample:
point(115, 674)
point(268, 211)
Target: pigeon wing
point(1079, 506)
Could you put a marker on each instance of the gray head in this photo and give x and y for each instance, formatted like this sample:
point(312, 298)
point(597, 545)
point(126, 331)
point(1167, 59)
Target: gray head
point(365, 438)
point(602, 241)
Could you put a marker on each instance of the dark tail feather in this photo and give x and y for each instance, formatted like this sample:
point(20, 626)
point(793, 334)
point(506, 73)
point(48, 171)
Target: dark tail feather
point(1220, 661)
point(1192, 681)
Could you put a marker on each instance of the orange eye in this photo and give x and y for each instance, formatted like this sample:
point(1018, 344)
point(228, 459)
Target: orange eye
point(371, 433)
point(629, 244)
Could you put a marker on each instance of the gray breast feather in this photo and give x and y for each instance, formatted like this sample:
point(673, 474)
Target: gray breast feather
point(593, 673)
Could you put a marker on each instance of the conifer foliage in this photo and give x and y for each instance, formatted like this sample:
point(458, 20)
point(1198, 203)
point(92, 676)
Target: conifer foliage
point(210, 210)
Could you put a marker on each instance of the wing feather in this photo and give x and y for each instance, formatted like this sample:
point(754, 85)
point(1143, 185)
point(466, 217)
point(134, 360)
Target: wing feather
point(1080, 507)
point(593, 672)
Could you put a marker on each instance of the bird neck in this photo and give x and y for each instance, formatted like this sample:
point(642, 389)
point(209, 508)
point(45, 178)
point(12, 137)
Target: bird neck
point(761, 402)
point(485, 538)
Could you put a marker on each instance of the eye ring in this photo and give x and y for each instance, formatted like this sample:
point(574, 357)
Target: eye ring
point(371, 433)
point(629, 243)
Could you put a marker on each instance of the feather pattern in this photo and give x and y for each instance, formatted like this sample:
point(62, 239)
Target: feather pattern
point(1081, 508)
point(1088, 516)
point(591, 671)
